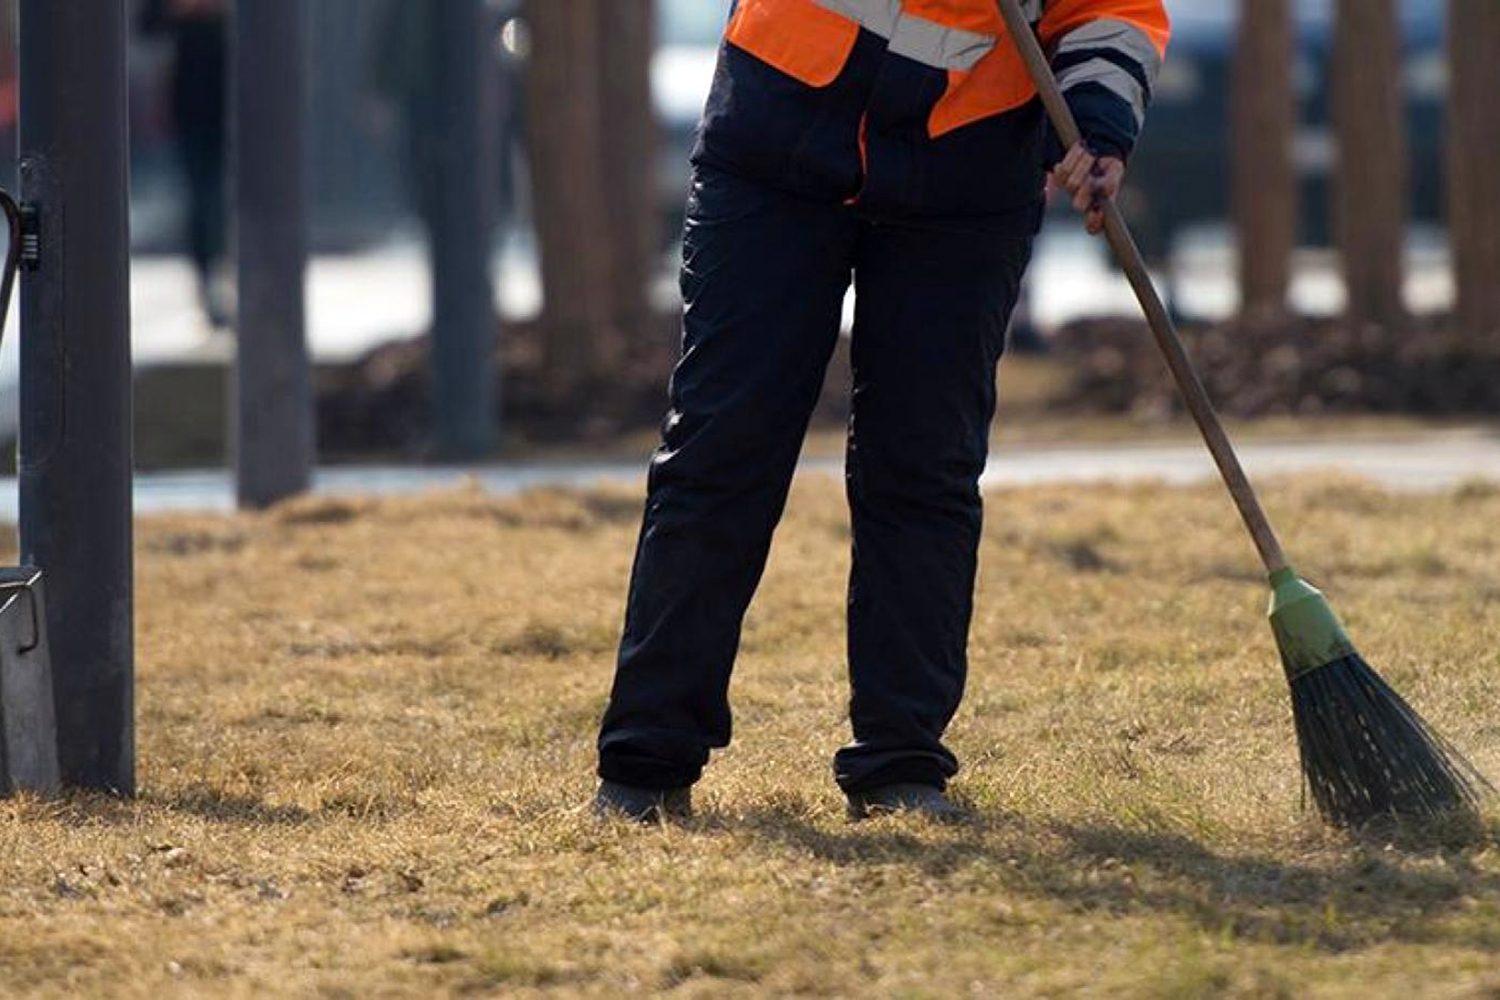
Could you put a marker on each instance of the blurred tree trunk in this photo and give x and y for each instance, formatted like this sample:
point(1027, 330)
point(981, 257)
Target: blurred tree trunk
point(1370, 187)
point(566, 149)
point(592, 132)
point(1264, 182)
point(628, 129)
point(1474, 164)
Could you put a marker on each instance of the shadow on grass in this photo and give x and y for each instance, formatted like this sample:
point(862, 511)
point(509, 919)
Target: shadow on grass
point(90, 808)
point(97, 809)
point(211, 804)
point(1370, 897)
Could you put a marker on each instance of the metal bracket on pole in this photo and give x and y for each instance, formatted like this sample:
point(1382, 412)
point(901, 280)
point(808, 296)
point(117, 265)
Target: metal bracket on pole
point(28, 715)
point(28, 722)
point(28, 231)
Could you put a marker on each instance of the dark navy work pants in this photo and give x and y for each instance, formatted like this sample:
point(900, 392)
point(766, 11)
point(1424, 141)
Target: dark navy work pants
point(763, 279)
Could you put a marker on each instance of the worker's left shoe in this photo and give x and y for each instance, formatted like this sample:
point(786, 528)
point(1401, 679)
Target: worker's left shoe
point(926, 801)
point(646, 806)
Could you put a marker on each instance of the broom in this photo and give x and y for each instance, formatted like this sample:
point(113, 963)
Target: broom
point(1366, 753)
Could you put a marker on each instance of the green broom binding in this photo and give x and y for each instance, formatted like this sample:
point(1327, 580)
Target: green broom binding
point(1366, 754)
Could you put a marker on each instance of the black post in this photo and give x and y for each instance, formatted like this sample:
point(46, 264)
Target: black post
point(463, 314)
point(274, 427)
point(75, 447)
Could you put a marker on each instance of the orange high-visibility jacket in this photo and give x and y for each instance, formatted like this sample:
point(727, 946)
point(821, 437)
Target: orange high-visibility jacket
point(922, 109)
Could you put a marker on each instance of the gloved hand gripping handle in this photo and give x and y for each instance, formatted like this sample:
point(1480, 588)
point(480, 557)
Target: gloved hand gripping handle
point(1189, 384)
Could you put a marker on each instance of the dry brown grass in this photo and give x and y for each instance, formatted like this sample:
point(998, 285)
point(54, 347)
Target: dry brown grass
point(366, 730)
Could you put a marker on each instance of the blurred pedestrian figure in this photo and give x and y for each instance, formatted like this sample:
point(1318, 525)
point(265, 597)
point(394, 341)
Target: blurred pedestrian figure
point(403, 81)
point(198, 33)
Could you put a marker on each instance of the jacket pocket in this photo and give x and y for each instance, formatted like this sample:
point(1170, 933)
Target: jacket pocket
point(798, 37)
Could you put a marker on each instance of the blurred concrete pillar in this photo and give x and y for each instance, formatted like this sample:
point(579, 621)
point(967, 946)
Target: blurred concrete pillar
point(274, 442)
point(463, 313)
point(75, 448)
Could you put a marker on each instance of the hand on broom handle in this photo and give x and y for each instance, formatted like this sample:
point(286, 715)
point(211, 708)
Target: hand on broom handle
point(1188, 382)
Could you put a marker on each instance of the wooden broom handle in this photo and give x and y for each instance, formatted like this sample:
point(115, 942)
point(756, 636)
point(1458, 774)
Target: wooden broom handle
point(1183, 371)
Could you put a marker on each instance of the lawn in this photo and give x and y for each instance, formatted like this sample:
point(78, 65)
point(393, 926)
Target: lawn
point(366, 726)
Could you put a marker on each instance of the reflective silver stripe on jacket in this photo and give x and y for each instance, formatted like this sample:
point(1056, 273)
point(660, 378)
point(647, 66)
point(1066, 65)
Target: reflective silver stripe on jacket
point(916, 38)
point(880, 16)
point(948, 48)
point(939, 45)
point(1117, 36)
point(1122, 37)
point(1116, 80)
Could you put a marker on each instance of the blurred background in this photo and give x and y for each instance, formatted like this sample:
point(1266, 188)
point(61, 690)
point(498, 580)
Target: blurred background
point(1316, 192)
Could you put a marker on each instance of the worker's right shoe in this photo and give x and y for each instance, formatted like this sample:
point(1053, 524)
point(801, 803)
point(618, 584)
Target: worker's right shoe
point(926, 801)
point(642, 805)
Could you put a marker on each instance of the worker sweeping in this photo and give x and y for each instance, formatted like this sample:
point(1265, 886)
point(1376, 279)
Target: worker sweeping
point(900, 145)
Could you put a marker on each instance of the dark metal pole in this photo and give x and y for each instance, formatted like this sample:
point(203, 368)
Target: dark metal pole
point(274, 427)
point(75, 447)
point(463, 314)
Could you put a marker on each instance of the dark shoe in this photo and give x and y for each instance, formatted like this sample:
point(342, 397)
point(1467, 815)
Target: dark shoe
point(642, 805)
point(926, 801)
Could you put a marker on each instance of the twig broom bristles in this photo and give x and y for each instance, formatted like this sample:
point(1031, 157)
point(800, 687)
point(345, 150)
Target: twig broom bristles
point(1366, 753)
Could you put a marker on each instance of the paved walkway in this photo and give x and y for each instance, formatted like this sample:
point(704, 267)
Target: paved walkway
point(1434, 462)
point(358, 301)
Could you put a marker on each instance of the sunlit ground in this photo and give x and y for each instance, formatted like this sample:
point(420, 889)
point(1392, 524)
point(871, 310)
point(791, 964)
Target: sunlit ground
point(366, 737)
